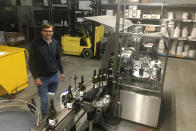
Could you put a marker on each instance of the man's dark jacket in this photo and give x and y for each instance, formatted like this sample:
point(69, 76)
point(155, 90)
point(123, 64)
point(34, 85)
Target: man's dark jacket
point(44, 58)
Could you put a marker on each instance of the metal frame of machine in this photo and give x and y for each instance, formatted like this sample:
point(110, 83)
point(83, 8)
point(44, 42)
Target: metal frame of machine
point(142, 81)
point(139, 71)
point(142, 73)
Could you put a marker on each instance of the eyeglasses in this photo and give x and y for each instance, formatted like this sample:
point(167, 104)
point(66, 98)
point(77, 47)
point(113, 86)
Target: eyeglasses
point(47, 31)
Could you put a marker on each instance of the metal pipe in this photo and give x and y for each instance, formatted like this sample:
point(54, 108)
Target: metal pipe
point(162, 7)
point(123, 26)
point(168, 41)
point(117, 36)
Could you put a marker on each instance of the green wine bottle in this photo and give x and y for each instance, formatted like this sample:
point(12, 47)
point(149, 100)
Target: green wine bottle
point(82, 86)
point(99, 78)
point(104, 77)
point(70, 98)
point(52, 113)
point(110, 71)
point(94, 79)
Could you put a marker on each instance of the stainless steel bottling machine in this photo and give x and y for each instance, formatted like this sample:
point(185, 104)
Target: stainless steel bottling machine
point(142, 71)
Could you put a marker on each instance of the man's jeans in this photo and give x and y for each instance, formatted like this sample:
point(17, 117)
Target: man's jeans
point(49, 84)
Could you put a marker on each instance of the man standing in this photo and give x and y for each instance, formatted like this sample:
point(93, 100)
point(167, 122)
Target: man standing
point(44, 63)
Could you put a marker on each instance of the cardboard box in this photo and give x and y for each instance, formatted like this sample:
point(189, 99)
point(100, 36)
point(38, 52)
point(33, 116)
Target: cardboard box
point(158, 16)
point(144, 16)
point(132, 7)
point(139, 12)
point(109, 12)
point(133, 1)
point(150, 28)
point(144, 1)
point(126, 15)
point(130, 16)
point(130, 13)
point(153, 16)
point(134, 15)
point(138, 16)
point(14, 38)
point(149, 16)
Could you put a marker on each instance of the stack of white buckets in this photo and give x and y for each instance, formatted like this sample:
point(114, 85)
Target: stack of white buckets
point(181, 49)
point(193, 33)
point(178, 48)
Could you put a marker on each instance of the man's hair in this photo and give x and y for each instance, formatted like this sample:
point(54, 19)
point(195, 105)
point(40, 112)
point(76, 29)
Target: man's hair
point(46, 25)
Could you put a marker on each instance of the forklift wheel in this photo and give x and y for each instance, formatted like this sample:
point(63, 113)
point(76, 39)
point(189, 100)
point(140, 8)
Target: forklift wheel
point(87, 53)
point(11, 96)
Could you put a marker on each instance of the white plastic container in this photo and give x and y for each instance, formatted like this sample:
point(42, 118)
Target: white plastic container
point(195, 16)
point(161, 48)
point(177, 32)
point(161, 45)
point(186, 47)
point(185, 53)
point(179, 50)
point(181, 44)
point(174, 47)
point(185, 15)
point(192, 53)
point(193, 33)
point(170, 15)
point(185, 32)
point(171, 25)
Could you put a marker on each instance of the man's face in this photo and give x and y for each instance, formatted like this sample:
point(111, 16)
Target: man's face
point(47, 33)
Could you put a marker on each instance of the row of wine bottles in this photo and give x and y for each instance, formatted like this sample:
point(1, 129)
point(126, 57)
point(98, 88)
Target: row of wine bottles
point(67, 98)
point(101, 79)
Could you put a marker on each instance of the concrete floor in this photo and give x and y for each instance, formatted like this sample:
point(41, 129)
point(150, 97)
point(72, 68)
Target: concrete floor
point(178, 108)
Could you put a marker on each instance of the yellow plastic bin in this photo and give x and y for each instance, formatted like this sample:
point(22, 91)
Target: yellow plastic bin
point(13, 71)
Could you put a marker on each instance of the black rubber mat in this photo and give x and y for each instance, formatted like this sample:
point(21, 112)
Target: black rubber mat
point(17, 120)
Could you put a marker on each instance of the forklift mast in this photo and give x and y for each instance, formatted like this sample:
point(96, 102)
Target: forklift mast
point(95, 32)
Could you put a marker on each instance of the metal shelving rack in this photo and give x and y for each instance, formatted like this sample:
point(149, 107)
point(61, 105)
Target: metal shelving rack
point(164, 9)
point(134, 91)
point(54, 12)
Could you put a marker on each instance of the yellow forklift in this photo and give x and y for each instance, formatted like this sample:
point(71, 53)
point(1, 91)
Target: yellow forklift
point(86, 43)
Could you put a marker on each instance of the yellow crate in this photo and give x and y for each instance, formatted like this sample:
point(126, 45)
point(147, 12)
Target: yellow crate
point(13, 71)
